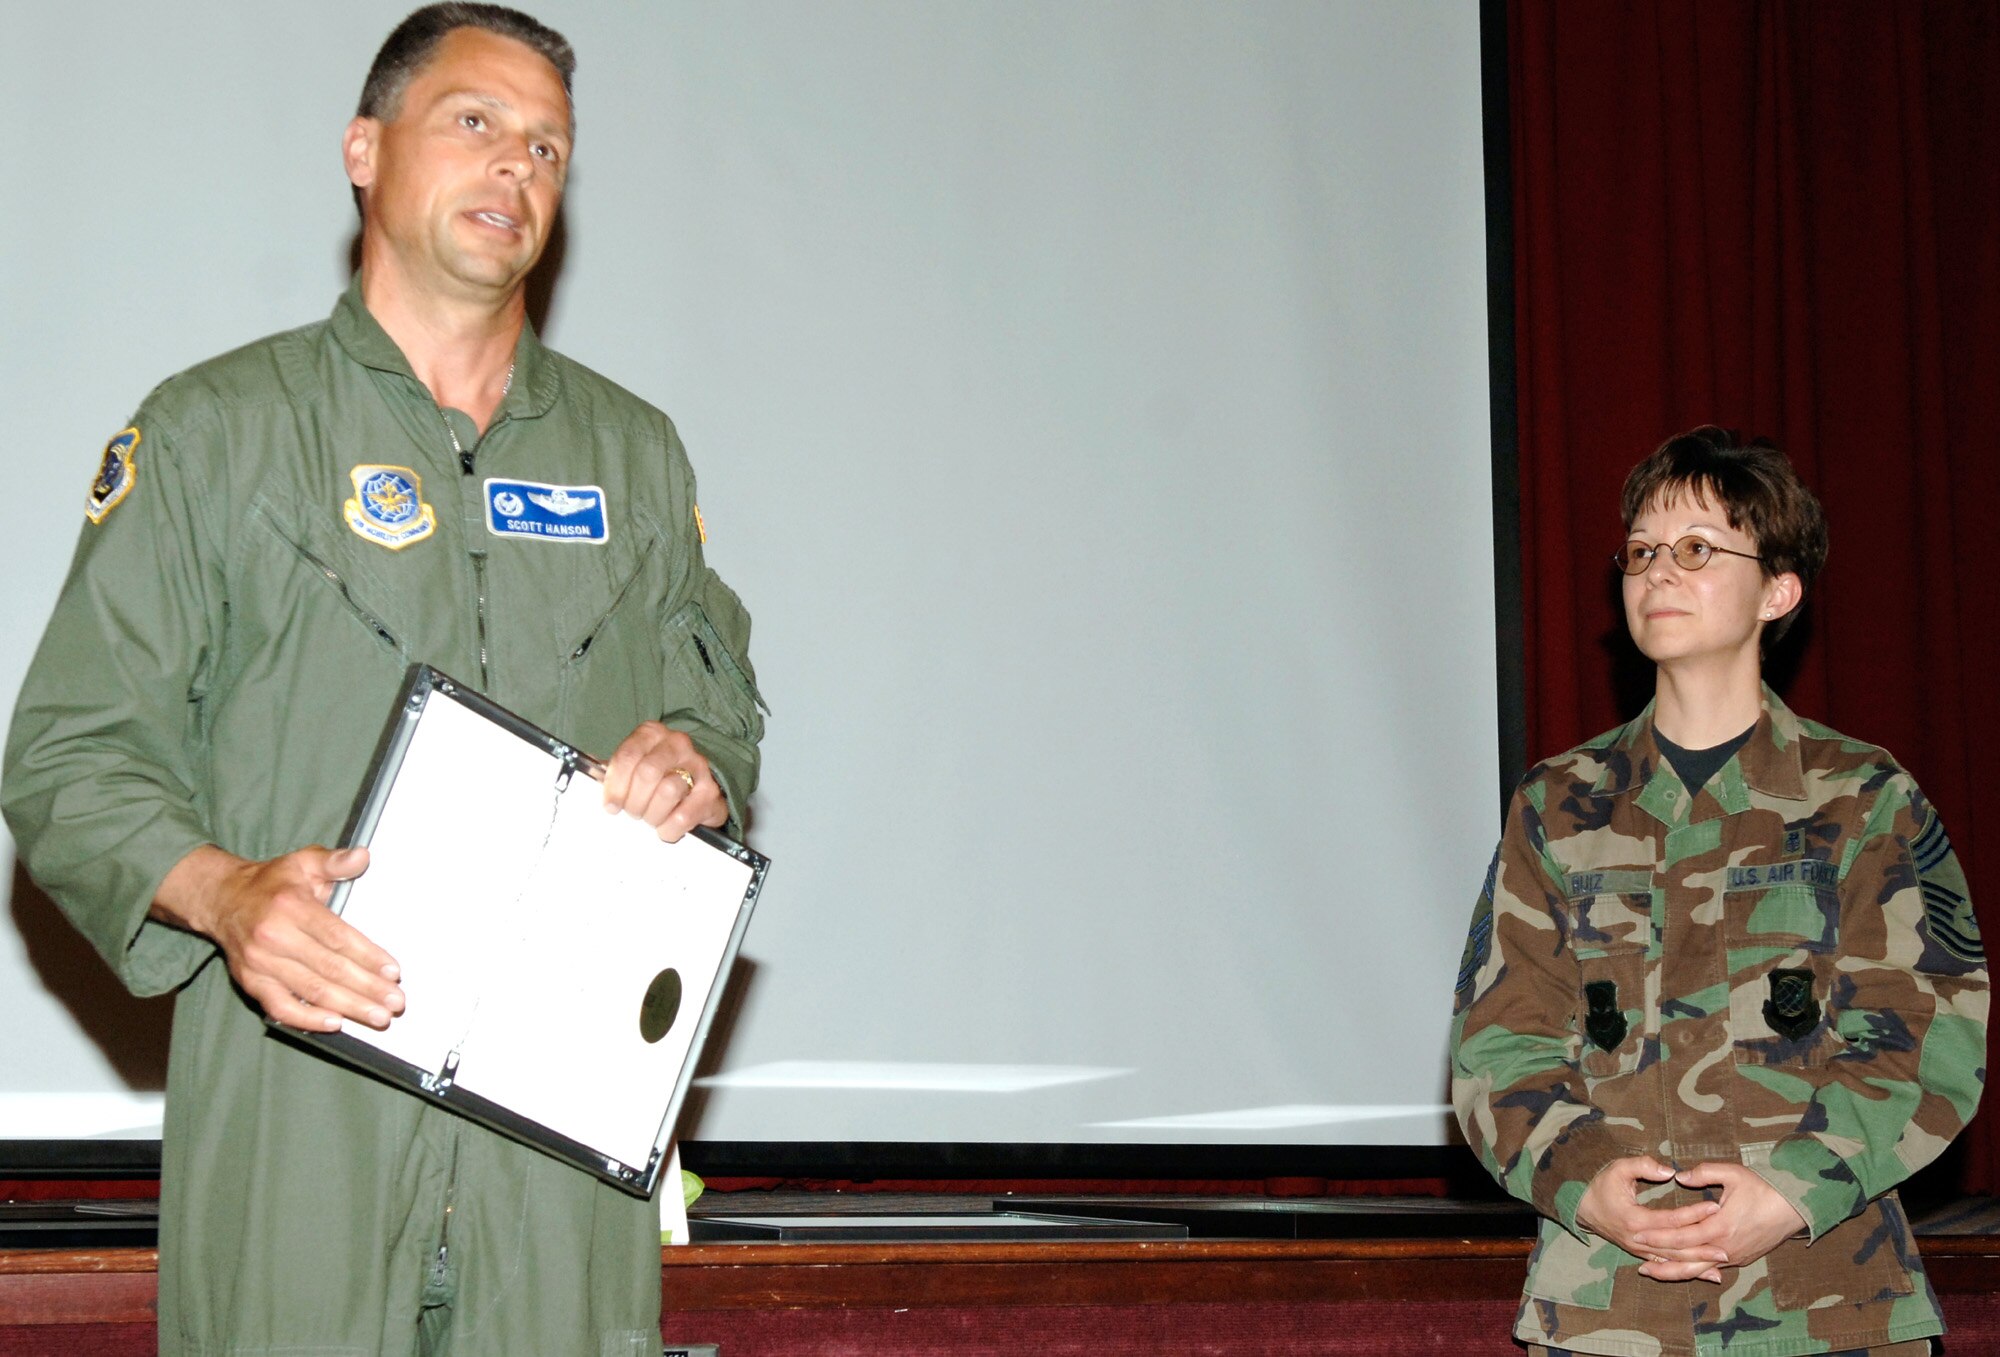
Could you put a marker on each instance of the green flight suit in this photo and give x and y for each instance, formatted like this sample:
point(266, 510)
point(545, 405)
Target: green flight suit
point(281, 531)
point(1781, 971)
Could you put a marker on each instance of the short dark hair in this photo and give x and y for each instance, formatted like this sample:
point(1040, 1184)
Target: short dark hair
point(406, 50)
point(1757, 489)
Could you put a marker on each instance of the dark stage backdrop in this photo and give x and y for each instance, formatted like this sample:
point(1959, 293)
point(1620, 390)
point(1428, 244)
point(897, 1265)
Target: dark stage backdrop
point(1778, 217)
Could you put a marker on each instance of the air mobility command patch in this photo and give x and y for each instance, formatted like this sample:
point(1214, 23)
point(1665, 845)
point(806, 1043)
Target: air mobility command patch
point(114, 476)
point(388, 506)
point(553, 513)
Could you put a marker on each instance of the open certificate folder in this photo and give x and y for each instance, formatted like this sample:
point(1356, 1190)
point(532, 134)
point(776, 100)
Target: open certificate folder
point(561, 964)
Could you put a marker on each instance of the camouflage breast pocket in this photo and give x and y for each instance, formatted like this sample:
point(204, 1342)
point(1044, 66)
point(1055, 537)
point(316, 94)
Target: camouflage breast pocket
point(1782, 938)
point(1610, 920)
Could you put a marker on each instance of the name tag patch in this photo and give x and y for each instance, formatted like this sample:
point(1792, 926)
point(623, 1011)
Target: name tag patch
point(554, 513)
point(1602, 882)
point(1805, 872)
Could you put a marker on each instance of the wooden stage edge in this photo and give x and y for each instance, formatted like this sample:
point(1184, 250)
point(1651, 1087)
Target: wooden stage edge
point(119, 1286)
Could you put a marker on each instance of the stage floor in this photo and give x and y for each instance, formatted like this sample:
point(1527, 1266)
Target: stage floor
point(796, 1216)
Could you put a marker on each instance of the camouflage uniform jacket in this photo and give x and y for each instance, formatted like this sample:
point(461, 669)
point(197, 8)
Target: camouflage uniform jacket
point(1781, 971)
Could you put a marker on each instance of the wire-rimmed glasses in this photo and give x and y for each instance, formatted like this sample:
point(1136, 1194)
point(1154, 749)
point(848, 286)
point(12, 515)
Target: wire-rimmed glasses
point(1690, 553)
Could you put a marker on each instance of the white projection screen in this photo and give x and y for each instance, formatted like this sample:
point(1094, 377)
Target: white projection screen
point(1091, 403)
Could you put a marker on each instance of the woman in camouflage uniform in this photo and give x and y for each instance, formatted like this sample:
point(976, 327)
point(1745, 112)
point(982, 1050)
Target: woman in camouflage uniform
point(1723, 989)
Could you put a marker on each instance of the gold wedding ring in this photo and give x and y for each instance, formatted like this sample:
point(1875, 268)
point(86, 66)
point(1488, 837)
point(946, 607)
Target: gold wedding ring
point(686, 777)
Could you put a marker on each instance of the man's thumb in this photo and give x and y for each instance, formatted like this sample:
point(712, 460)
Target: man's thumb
point(344, 864)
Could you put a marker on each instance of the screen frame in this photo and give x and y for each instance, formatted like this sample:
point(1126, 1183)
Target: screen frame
point(1026, 1161)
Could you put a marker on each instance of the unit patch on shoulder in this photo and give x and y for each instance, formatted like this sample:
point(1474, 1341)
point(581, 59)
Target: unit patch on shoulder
point(553, 513)
point(114, 476)
point(388, 506)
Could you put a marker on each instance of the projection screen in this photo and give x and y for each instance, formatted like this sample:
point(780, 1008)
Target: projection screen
point(1090, 402)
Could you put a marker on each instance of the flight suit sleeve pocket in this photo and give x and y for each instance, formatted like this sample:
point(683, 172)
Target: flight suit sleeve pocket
point(707, 680)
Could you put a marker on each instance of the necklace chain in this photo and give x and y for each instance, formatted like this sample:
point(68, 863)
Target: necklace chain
point(452, 433)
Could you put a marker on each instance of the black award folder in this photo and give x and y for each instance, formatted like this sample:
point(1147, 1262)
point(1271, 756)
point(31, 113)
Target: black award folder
point(561, 965)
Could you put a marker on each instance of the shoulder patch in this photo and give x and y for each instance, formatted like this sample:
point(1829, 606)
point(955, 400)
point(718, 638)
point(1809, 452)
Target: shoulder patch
point(114, 475)
point(388, 507)
point(700, 525)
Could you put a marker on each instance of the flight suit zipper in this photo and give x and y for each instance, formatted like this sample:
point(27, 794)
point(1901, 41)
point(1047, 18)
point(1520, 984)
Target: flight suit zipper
point(466, 458)
point(479, 582)
point(441, 1263)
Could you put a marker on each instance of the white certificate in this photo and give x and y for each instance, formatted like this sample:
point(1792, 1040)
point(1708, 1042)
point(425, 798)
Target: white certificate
point(561, 964)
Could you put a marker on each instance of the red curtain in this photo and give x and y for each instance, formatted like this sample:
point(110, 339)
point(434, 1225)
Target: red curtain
point(1782, 217)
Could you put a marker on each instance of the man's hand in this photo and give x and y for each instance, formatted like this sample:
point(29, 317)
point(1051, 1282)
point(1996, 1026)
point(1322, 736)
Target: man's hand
point(295, 957)
point(658, 775)
point(1751, 1218)
point(1611, 1208)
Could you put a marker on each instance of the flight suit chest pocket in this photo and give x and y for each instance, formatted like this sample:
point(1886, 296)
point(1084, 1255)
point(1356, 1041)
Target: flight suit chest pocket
point(1782, 923)
point(1610, 921)
point(609, 661)
point(302, 565)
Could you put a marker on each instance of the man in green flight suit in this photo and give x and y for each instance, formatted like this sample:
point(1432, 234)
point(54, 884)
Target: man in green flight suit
point(276, 535)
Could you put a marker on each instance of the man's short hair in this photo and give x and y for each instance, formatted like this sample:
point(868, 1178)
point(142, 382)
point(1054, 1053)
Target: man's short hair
point(1757, 490)
point(415, 40)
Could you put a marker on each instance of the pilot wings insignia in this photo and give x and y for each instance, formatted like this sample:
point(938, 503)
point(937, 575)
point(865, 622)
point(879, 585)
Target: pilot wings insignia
point(561, 501)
